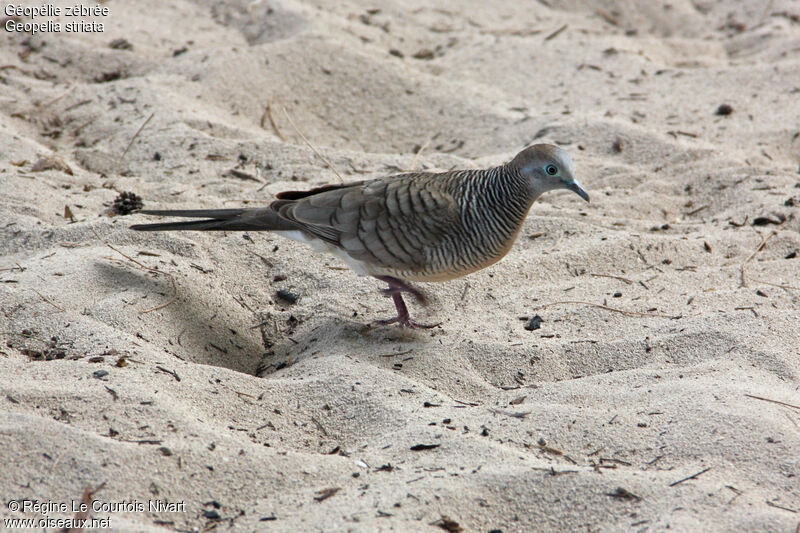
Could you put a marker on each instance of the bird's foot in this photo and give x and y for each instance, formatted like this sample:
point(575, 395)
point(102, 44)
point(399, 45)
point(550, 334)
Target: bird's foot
point(406, 322)
point(396, 290)
point(397, 286)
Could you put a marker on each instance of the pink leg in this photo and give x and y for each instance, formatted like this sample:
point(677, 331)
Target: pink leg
point(403, 319)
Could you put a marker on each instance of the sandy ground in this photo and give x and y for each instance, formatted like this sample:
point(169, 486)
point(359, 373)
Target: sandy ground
point(164, 368)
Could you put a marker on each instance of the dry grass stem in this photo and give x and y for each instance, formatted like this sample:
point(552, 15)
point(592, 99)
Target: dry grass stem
point(607, 308)
point(135, 135)
point(330, 165)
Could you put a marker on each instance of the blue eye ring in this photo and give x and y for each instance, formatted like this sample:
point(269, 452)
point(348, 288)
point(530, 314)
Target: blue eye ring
point(551, 170)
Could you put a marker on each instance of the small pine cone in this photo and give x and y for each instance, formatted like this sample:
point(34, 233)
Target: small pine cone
point(126, 203)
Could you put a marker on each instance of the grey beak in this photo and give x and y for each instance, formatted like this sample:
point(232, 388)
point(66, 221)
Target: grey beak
point(575, 187)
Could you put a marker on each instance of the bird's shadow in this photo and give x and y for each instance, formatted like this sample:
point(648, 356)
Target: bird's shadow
point(328, 336)
point(190, 326)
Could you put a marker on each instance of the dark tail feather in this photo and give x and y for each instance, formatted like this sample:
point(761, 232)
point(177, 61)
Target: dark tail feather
point(261, 219)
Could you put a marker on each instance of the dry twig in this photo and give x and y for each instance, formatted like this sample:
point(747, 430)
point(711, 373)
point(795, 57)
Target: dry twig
point(626, 280)
point(135, 135)
point(760, 247)
point(46, 300)
point(607, 308)
point(745, 277)
point(330, 165)
point(773, 401)
point(268, 115)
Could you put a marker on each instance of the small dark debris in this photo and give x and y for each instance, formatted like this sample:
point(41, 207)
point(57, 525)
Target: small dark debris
point(278, 278)
point(534, 323)
point(386, 468)
point(761, 293)
point(423, 447)
point(624, 494)
point(425, 53)
point(287, 296)
point(120, 44)
point(100, 374)
point(179, 51)
point(396, 53)
point(157, 156)
point(168, 371)
point(239, 174)
point(324, 494)
point(126, 203)
point(211, 514)
point(775, 218)
point(11, 399)
point(617, 294)
point(166, 452)
point(791, 255)
point(448, 524)
point(106, 77)
point(429, 404)
point(96, 359)
point(48, 354)
point(724, 110)
point(616, 146)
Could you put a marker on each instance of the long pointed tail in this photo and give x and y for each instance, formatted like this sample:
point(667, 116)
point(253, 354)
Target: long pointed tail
point(260, 219)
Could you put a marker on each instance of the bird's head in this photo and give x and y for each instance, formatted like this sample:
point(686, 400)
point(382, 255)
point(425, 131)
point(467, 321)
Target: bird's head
point(547, 168)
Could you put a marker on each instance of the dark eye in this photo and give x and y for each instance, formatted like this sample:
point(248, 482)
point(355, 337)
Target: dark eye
point(551, 170)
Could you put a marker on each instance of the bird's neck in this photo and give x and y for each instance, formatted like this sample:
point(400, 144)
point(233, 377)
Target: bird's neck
point(504, 191)
point(495, 202)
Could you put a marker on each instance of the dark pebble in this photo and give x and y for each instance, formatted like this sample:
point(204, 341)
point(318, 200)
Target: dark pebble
point(120, 44)
point(724, 110)
point(534, 323)
point(778, 218)
point(617, 295)
point(287, 296)
point(99, 374)
point(211, 514)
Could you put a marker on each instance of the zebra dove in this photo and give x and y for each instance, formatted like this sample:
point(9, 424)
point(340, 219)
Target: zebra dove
point(418, 226)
